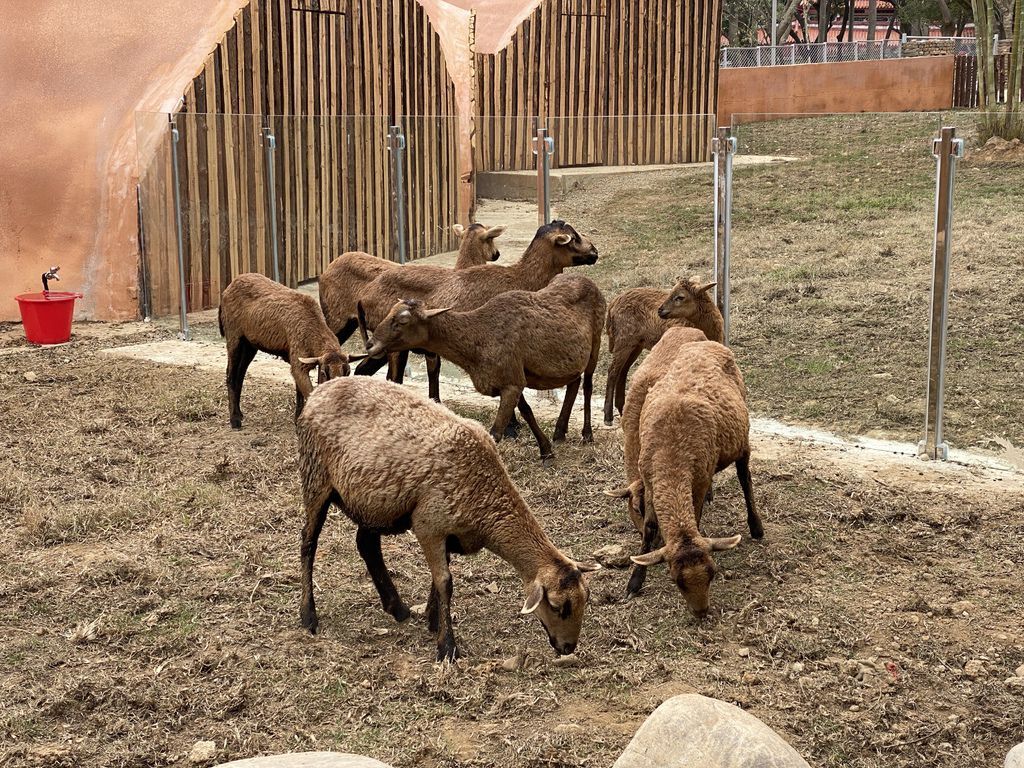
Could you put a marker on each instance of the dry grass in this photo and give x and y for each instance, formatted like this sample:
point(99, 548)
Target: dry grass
point(831, 271)
point(149, 596)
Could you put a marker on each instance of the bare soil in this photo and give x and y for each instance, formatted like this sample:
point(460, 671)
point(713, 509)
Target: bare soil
point(149, 598)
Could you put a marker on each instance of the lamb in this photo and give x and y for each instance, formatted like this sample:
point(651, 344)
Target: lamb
point(555, 246)
point(685, 419)
point(259, 315)
point(541, 339)
point(349, 274)
point(393, 461)
point(638, 317)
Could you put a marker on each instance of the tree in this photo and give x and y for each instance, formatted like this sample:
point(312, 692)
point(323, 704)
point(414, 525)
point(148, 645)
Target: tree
point(1008, 122)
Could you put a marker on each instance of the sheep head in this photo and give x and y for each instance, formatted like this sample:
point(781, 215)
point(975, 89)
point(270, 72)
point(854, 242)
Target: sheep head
point(634, 495)
point(691, 567)
point(558, 597)
point(330, 365)
point(569, 247)
point(406, 326)
point(480, 238)
point(686, 300)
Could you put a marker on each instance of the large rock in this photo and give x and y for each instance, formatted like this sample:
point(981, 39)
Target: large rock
point(308, 760)
point(1015, 759)
point(693, 731)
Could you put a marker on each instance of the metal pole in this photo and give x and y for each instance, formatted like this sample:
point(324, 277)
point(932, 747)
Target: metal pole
point(723, 147)
point(947, 148)
point(396, 146)
point(544, 149)
point(144, 288)
point(269, 145)
point(184, 334)
point(775, 24)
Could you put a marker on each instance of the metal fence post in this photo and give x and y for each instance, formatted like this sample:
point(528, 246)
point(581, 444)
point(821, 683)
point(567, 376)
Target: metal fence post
point(269, 145)
point(947, 148)
point(184, 333)
point(723, 147)
point(396, 146)
point(544, 148)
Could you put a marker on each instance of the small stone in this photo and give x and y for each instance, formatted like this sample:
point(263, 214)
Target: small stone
point(513, 663)
point(612, 556)
point(202, 752)
point(493, 588)
point(962, 606)
point(419, 610)
point(855, 708)
point(31, 376)
point(1015, 757)
point(797, 668)
point(744, 652)
point(1015, 683)
point(571, 660)
point(975, 668)
point(1019, 671)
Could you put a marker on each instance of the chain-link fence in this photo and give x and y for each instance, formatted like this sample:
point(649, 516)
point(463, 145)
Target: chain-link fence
point(811, 53)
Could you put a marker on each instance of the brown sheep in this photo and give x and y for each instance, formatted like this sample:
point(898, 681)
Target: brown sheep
point(554, 247)
point(393, 461)
point(540, 339)
point(685, 419)
point(349, 274)
point(258, 315)
point(638, 317)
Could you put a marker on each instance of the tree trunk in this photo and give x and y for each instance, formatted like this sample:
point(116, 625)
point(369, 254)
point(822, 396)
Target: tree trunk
point(872, 18)
point(1013, 99)
point(785, 22)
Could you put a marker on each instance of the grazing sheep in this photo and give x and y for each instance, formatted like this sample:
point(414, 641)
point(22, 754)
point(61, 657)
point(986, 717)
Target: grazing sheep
point(540, 339)
point(685, 419)
point(349, 274)
point(638, 317)
point(258, 315)
point(554, 247)
point(392, 462)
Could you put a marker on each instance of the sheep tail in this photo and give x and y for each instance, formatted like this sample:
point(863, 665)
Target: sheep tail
point(220, 319)
point(610, 330)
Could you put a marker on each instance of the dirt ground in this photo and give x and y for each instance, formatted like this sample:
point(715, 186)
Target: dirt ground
point(149, 598)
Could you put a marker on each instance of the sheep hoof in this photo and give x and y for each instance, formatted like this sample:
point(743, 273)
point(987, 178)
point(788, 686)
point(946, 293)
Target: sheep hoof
point(588, 435)
point(547, 459)
point(609, 421)
point(756, 531)
point(447, 651)
point(310, 622)
point(236, 423)
point(400, 613)
point(512, 430)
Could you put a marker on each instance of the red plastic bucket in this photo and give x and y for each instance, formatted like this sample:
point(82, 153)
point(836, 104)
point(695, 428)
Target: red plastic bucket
point(47, 315)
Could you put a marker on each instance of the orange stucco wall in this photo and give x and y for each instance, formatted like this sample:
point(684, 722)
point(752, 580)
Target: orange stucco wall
point(903, 85)
point(73, 73)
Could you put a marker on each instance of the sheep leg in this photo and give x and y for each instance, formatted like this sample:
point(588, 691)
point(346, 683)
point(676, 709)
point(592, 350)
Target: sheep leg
point(347, 330)
point(433, 376)
point(506, 407)
point(370, 365)
point(620, 387)
point(619, 364)
point(238, 363)
point(753, 519)
point(562, 425)
point(316, 513)
point(639, 574)
point(588, 391)
point(546, 454)
point(512, 428)
point(432, 615)
point(436, 552)
point(396, 366)
point(303, 388)
point(368, 544)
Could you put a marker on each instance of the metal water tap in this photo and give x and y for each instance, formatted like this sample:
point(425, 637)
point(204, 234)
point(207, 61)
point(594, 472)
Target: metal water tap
point(51, 275)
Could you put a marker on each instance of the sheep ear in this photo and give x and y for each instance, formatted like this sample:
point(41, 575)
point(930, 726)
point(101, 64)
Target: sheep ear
point(588, 567)
point(309, 363)
point(719, 545)
point(533, 599)
point(354, 358)
point(706, 288)
point(563, 239)
point(651, 558)
point(458, 229)
point(494, 232)
point(432, 312)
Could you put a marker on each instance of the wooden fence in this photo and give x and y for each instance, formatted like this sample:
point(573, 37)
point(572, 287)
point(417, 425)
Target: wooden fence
point(965, 80)
point(327, 77)
point(616, 82)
